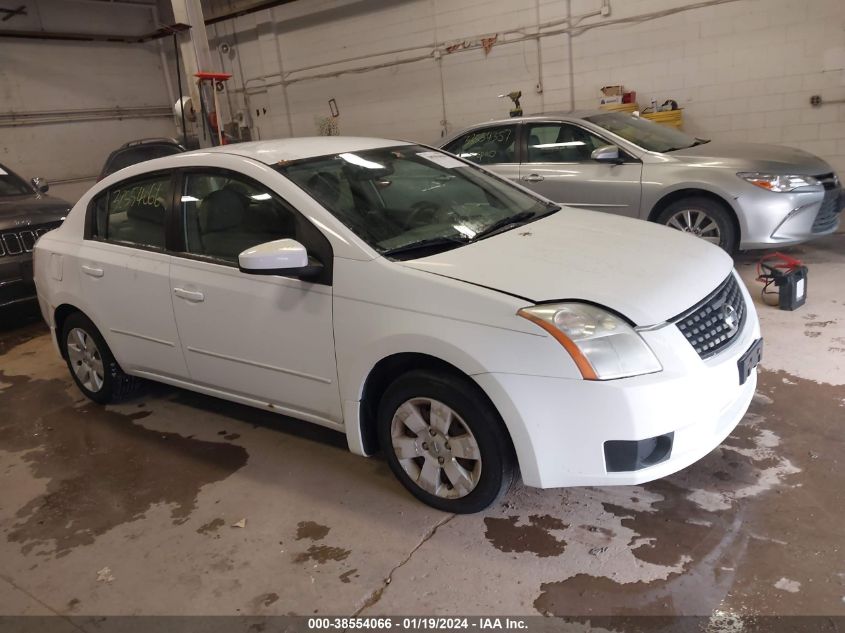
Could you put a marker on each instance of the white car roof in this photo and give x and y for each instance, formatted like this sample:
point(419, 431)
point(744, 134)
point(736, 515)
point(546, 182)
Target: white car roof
point(287, 149)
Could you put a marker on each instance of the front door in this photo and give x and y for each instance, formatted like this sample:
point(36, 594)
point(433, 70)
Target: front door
point(557, 165)
point(124, 273)
point(264, 338)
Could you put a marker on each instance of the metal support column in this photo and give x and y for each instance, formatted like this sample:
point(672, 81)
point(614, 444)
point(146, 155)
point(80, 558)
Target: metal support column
point(196, 56)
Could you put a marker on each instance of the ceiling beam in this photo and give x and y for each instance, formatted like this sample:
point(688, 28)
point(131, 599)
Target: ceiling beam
point(163, 31)
point(242, 7)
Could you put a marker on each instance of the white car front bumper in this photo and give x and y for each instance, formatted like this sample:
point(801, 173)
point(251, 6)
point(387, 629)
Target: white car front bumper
point(559, 426)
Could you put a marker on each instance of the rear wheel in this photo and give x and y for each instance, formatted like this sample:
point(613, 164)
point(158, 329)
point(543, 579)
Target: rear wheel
point(445, 442)
point(704, 218)
point(91, 364)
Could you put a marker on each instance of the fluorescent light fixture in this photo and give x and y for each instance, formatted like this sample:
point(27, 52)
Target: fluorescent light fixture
point(552, 145)
point(190, 199)
point(464, 230)
point(468, 154)
point(261, 196)
point(360, 162)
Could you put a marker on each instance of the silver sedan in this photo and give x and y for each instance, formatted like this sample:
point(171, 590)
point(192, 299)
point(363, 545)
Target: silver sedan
point(736, 195)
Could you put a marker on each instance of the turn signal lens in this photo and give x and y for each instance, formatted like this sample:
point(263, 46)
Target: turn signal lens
point(779, 183)
point(602, 345)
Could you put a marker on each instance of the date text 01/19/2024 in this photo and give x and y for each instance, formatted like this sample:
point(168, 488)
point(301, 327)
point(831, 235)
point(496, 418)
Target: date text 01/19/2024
point(416, 623)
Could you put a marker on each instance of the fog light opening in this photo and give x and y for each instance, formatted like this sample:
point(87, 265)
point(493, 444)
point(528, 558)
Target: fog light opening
point(626, 455)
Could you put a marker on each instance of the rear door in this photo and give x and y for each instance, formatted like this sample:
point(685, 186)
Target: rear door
point(494, 148)
point(557, 165)
point(125, 274)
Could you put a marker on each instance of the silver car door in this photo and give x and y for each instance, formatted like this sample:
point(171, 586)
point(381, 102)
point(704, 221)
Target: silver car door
point(558, 166)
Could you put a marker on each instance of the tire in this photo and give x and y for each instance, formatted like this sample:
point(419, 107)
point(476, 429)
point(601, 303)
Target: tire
point(441, 470)
point(91, 363)
point(694, 214)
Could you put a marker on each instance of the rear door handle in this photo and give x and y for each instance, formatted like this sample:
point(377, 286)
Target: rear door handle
point(533, 178)
point(92, 271)
point(189, 295)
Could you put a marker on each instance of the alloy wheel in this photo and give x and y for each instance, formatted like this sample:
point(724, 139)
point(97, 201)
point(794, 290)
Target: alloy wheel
point(697, 222)
point(85, 359)
point(436, 448)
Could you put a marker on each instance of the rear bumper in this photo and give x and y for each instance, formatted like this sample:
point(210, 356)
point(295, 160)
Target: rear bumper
point(781, 219)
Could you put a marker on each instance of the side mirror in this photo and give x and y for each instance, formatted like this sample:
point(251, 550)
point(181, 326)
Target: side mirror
point(40, 185)
point(287, 258)
point(606, 154)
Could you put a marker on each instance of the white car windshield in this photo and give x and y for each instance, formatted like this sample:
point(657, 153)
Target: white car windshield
point(644, 133)
point(410, 201)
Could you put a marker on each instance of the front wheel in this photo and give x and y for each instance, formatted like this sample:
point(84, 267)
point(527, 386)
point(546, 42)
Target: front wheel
point(704, 218)
point(445, 442)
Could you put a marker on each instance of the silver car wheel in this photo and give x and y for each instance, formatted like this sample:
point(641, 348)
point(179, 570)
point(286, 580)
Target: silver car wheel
point(436, 448)
point(85, 359)
point(697, 222)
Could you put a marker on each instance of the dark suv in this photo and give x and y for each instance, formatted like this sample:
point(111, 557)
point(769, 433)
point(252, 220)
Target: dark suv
point(26, 213)
point(138, 151)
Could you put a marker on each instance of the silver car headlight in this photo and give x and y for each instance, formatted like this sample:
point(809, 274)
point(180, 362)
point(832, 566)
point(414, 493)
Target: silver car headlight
point(780, 183)
point(602, 345)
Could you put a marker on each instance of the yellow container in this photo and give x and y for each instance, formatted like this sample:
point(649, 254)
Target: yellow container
point(672, 118)
point(620, 107)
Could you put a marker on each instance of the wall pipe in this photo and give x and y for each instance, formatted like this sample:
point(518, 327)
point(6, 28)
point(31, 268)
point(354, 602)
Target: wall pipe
point(574, 26)
point(44, 117)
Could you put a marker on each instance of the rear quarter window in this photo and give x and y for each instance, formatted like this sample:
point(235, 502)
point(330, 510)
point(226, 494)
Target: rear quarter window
point(133, 213)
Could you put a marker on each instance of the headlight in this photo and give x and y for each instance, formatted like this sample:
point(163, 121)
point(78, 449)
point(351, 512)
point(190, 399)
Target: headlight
point(779, 183)
point(602, 345)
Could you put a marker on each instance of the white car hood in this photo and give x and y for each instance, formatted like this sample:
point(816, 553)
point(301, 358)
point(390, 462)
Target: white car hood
point(644, 271)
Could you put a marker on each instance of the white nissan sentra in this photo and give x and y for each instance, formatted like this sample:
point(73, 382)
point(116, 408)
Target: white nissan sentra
point(422, 306)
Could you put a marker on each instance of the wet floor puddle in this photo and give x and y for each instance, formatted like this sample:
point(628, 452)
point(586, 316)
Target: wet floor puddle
point(709, 535)
point(102, 468)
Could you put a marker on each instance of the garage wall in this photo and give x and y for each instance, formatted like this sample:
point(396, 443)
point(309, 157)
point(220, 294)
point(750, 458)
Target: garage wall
point(64, 106)
point(742, 69)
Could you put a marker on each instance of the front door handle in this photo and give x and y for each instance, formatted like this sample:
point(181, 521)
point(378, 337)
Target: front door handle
point(533, 178)
point(189, 295)
point(92, 271)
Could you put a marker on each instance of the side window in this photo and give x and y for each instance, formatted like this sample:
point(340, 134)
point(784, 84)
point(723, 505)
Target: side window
point(134, 213)
point(561, 143)
point(487, 147)
point(225, 214)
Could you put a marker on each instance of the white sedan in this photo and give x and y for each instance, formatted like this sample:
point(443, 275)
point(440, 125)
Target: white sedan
point(424, 307)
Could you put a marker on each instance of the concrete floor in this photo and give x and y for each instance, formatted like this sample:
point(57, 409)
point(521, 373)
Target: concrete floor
point(133, 509)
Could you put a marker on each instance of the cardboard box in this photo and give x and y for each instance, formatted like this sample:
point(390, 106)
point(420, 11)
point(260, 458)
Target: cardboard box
point(613, 99)
point(613, 91)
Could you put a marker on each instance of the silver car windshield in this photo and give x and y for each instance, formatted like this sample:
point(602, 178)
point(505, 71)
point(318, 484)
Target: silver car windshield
point(644, 133)
point(409, 199)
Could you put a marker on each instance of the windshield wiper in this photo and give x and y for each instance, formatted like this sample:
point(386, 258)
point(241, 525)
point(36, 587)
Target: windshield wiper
point(515, 220)
point(430, 242)
point(504, 223)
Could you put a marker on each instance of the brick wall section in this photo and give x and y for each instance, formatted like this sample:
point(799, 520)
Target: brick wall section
point(743, 70)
